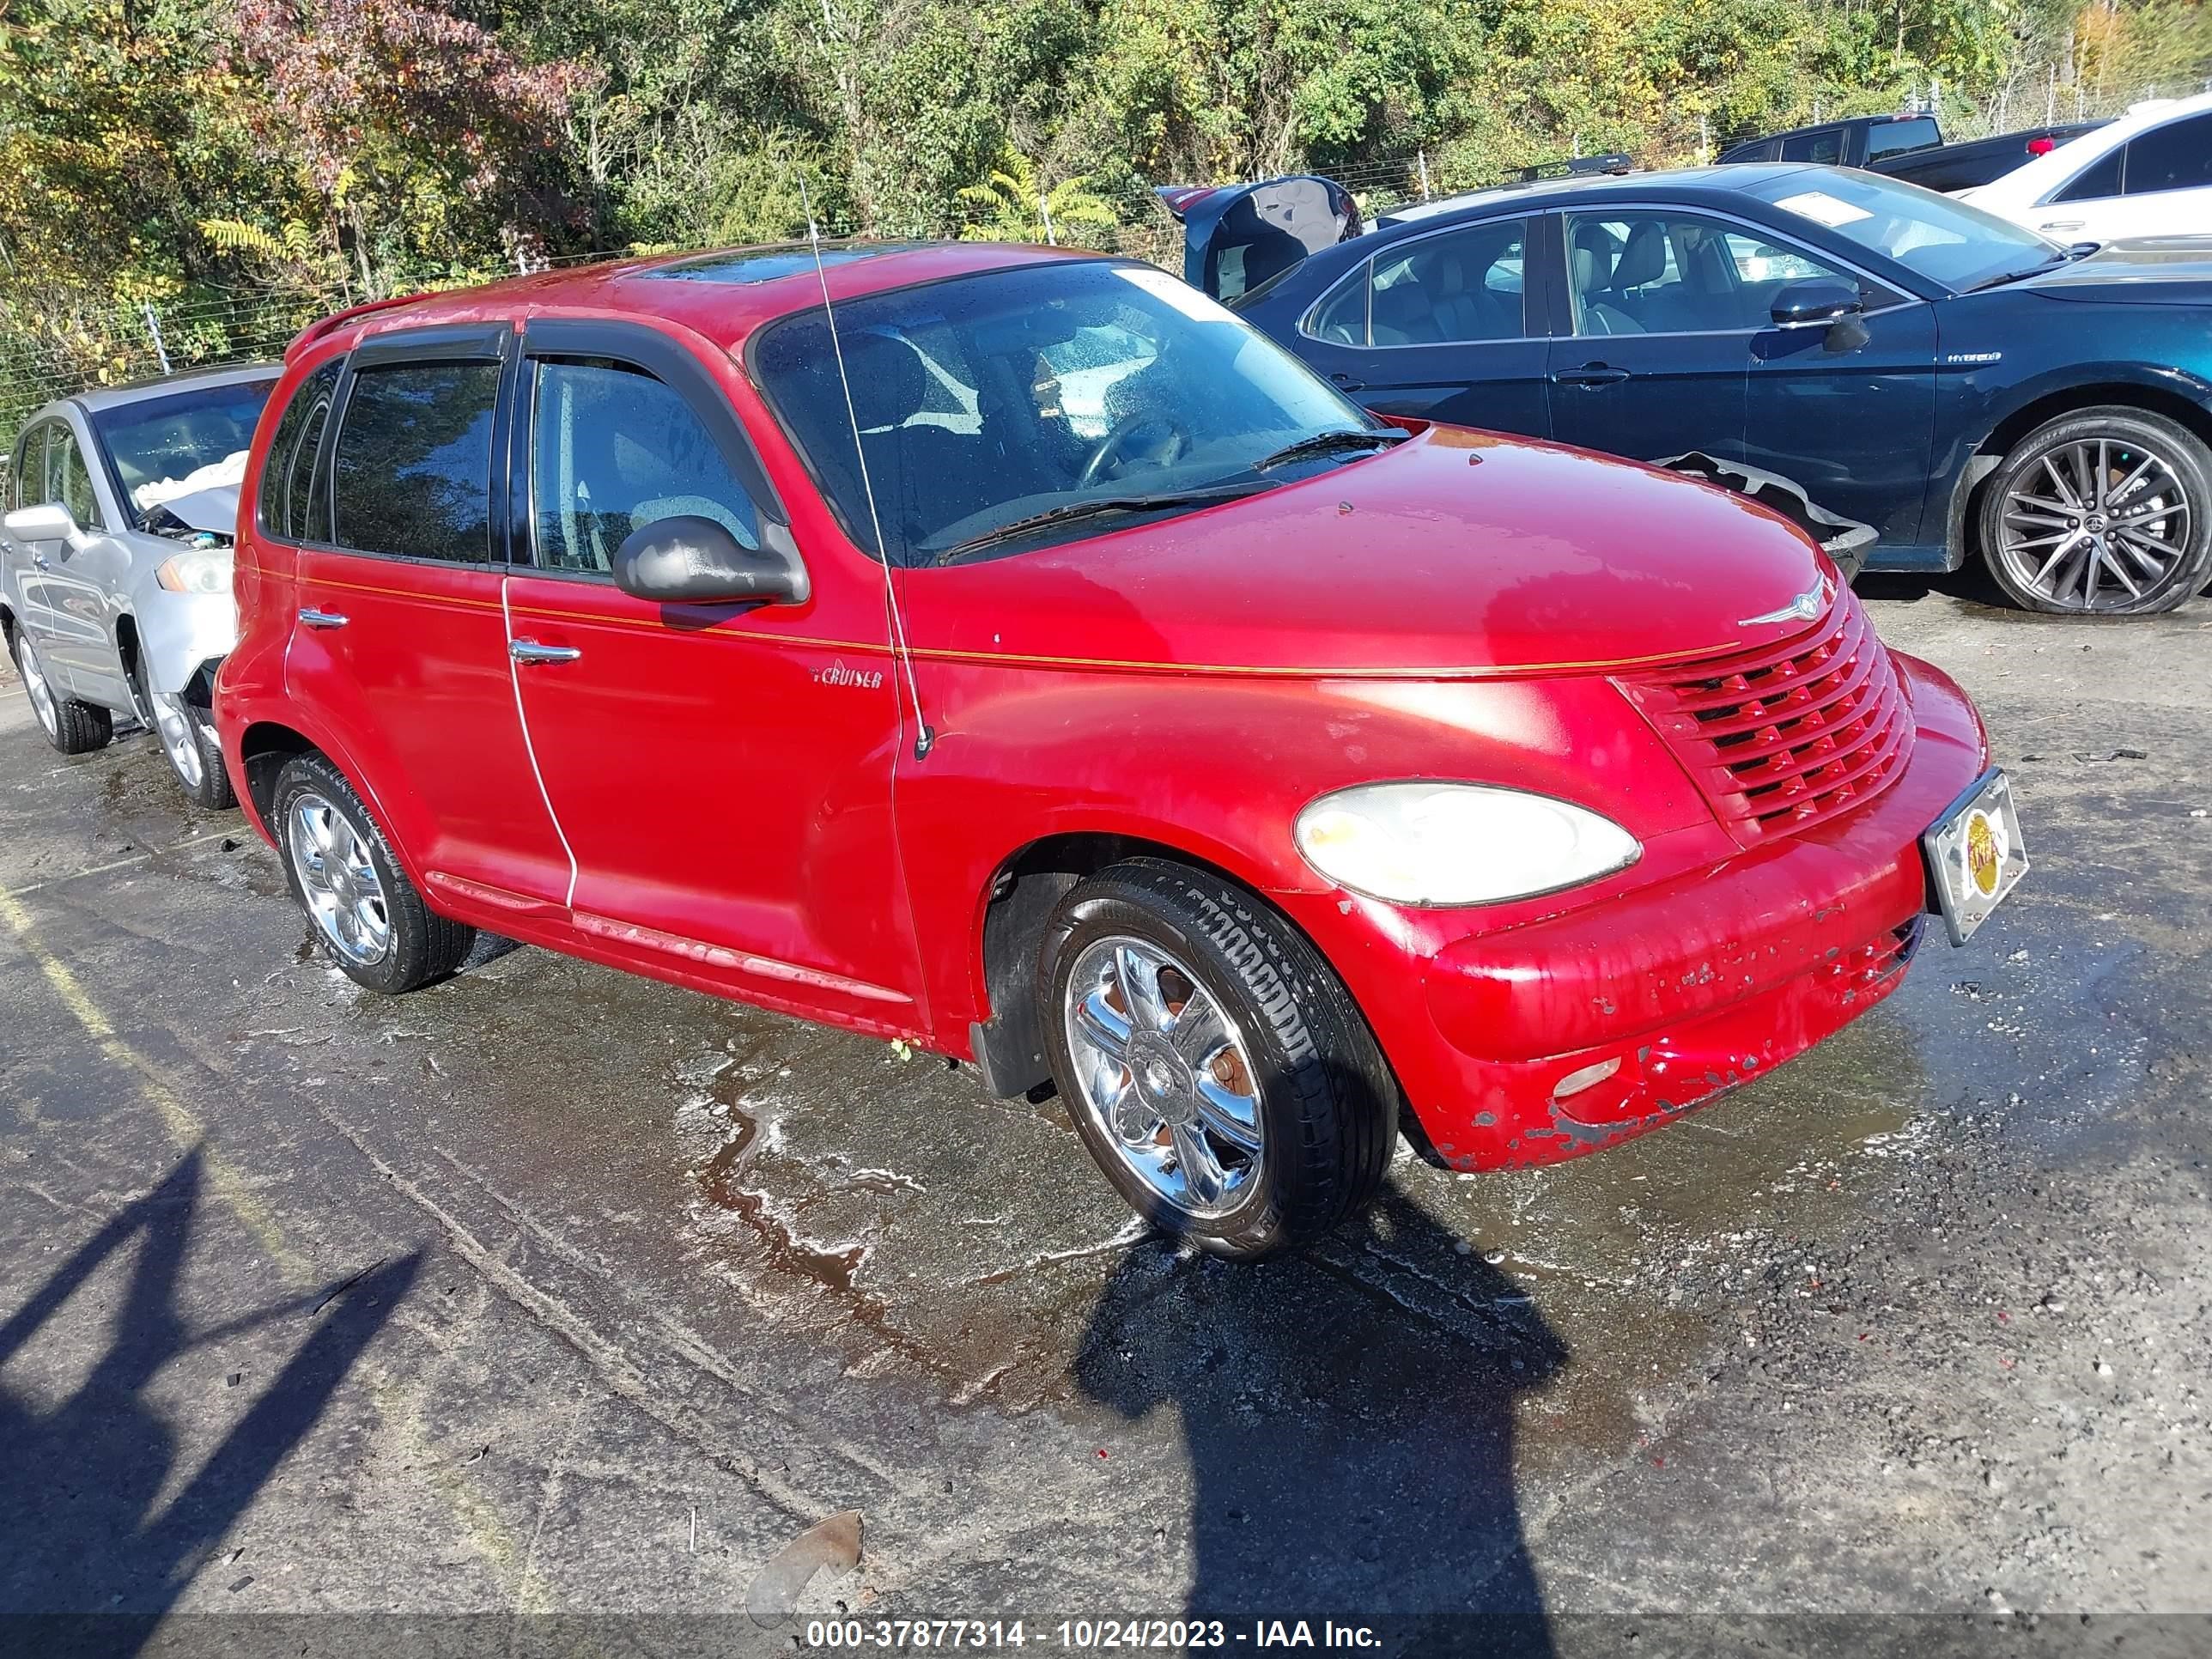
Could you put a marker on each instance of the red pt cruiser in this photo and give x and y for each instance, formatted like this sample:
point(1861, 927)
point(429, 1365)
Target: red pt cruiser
point(1013, 653)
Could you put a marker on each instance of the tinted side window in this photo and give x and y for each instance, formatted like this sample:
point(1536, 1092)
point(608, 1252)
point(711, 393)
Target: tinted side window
point(613, 450)
point(1824, 147)
point(289, 467)
point(1893, 137)
point(2176, 157)
point(2101, 180)
point(412, 473)
point(1465, 285)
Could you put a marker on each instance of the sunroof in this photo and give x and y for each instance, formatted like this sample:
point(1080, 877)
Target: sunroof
point(766, 265)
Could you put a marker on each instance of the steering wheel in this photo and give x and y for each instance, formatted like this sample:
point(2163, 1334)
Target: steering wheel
point(1110, 446)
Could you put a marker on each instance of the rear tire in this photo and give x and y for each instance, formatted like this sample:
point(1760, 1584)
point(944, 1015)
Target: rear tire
point(2106, 512)
point(73, 727)
point(188, 743)
point(366, 913)
point(1215, 1067)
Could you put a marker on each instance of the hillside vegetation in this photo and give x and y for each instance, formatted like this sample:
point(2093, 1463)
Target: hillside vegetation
point(232, 165)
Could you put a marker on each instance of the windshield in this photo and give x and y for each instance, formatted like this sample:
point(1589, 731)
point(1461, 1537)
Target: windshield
point(1938, 236)
point(166, 447)
point(989, 399)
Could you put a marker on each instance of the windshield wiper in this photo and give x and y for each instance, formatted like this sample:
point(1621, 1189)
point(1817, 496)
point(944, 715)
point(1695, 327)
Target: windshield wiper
point(2004, 276)
point(1322, 443)
point(1069, 512)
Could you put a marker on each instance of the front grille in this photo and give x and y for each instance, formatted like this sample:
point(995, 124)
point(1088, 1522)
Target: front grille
point(1789, 736)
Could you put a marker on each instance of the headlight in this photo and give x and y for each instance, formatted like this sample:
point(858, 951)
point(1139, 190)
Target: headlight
point(203, 570)
point(1457, 843)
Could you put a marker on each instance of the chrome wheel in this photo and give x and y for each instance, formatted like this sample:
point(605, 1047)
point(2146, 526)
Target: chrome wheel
point(180, 741)
point(338, 878)
point(1164, 1071)
point(34, 682)
point(2096, 524)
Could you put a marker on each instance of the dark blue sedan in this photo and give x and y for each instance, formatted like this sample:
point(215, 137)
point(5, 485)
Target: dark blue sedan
point(1962, 385)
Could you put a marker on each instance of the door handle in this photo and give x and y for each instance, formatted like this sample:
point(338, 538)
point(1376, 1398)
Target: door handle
point(1589, 375)
point(530, 651)
point(2064, 224)
point(315, 618)
point(1345, 383)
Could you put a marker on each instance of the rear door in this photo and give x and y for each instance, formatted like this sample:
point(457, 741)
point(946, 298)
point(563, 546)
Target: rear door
point(1654, 356)
point(722, 772)
point(401, 640)
point(1441, 326)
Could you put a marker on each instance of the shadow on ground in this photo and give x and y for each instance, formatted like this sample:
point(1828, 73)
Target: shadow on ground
point(1343, 1458)
point(90, 1558)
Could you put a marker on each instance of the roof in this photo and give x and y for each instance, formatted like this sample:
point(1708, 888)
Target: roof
point(96, 399)
point(1542, 193)
point(724, 294)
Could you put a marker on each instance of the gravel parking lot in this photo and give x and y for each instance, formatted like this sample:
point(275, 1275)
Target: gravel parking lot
point(550, 1290)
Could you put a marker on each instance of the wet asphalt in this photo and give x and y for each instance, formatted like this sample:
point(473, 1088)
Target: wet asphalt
point(551, 1290)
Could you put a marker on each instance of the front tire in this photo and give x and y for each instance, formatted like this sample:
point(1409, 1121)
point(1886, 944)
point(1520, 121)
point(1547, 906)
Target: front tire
point(188, 743)
point(73, 727)
point(1214, 1066)
point(368, 916)
point(2106, 512)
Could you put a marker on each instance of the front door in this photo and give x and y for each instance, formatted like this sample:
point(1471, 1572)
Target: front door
point(401, 639)
point(63, 586)
point(1852, 424)
point(1442, 327)
point(722, 772)
point(1655, 355)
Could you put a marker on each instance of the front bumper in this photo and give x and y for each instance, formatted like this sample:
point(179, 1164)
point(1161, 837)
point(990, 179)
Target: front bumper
point(1652, 1001)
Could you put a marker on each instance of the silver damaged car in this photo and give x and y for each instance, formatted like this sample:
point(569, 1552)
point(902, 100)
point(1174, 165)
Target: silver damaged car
point(115, 562)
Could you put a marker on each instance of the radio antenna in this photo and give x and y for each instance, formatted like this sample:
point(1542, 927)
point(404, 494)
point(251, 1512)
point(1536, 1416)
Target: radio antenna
point(924, 739)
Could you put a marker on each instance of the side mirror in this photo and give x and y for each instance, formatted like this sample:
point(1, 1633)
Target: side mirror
point(49, 522)
point(1817, 302)
point(690, 560)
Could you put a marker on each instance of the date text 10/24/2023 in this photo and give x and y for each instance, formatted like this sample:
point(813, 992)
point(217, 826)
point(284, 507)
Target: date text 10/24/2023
point(1085, 1635)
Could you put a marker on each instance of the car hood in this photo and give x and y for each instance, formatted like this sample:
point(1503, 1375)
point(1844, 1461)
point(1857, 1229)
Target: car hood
point(1455, 553)
point(2171, 270)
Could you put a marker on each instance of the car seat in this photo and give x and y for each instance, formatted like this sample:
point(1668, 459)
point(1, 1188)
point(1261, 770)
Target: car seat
point(1595, 252)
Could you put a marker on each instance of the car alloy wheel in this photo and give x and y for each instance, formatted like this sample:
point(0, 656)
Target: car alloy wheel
point(2096, 523)
point(179, 741)
point(1163, 1070)
point(34, 682)
point(338, 879)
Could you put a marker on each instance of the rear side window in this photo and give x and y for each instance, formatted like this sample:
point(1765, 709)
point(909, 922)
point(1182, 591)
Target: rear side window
point(1894, 137)
point(288, 472)
point(1822, 147)
point(2176, 157)
point(412, 473)
point(2101, 180)
point(612, 451)
point(1461, 287)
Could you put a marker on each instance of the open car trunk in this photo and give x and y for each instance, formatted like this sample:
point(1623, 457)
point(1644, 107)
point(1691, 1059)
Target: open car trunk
point(1234, 237)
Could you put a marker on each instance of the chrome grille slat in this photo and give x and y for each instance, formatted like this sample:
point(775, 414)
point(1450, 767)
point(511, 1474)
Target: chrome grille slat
point(1789, 736)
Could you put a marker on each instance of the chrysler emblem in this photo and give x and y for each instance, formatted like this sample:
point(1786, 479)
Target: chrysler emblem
point(1806, 607)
